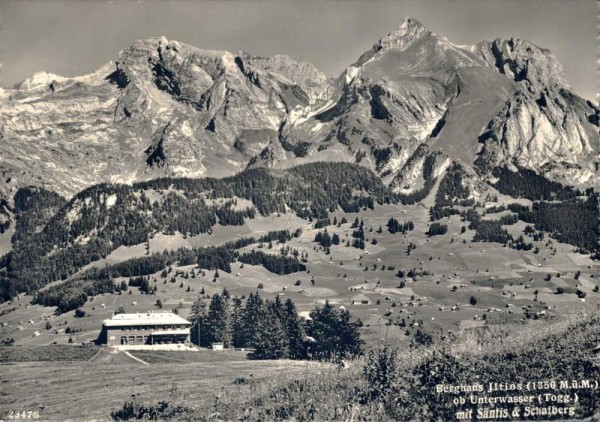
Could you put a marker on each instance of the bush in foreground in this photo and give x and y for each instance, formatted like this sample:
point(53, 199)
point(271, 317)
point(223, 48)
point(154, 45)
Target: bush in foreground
point(132, 410)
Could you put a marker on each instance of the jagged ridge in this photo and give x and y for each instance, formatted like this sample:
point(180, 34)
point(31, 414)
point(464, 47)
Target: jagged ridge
point(163, 108)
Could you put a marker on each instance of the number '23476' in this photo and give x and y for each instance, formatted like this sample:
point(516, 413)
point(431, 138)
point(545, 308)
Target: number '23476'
point(23, 414)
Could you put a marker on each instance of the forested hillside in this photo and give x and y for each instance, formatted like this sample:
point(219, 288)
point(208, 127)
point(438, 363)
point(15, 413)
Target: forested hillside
point(53, 240)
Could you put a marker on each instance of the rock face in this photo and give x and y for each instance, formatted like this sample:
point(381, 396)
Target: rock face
point(411, 89)
point(163, 108)
point(160, 109)
point(544, 126)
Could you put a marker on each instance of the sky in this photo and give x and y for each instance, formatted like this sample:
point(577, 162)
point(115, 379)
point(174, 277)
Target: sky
point(75, 37)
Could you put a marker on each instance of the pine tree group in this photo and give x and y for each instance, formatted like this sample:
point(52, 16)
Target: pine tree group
point(273, 328)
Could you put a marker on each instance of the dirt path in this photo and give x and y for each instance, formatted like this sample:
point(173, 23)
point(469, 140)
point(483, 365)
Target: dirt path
point(109, 355)
point(137, 359)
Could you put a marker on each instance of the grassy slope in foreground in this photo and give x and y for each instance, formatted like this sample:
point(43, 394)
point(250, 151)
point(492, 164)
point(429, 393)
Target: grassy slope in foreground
point(310, 391)
point(90, 390)
point(403, 385)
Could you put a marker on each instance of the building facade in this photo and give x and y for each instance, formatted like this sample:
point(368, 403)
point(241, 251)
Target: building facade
point(151, 328)
point(361, 299)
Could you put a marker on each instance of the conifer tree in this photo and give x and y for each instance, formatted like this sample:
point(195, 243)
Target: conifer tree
point(278, 309)
point(237, 323)
point(269, 339)
point(294, 332)
point(251, 316)
point(335, 239)
point(199, 325)
point(336, 335)
point(217, 321)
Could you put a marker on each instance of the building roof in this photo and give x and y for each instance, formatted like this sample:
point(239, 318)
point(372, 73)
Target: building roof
point(147, 318)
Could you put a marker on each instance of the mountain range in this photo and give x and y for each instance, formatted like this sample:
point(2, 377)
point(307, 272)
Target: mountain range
point(166, 109)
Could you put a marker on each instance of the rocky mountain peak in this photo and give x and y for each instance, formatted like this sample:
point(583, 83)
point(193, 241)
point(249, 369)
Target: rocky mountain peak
point(410, 30)
point(407, 33)
point(523, 62)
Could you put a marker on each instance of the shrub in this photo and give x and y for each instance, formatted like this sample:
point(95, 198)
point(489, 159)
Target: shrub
point(381, 373)
point(422, 338)
point(160, 411)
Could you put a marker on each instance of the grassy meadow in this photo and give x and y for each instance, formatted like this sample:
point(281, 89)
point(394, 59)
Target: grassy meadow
point(90, 390)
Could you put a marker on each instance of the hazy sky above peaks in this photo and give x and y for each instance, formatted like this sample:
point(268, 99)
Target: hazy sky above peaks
point(75, 37)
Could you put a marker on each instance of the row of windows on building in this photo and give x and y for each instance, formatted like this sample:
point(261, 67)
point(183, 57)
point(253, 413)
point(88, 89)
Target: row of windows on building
point(155, 340)
point(134, 339)
point(151, 327)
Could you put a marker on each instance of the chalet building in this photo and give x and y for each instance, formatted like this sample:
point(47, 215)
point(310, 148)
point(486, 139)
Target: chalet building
point(151, 328)
point(361, 299)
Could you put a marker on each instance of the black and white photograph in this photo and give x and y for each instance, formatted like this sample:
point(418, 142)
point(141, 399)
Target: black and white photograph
point(299, 210)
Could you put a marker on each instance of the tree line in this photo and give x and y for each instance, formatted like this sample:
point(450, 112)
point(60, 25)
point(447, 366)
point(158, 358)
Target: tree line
point(451, 191)
point(528, 184)
point(273, 328)
point(573, 221)
point(73, 294)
